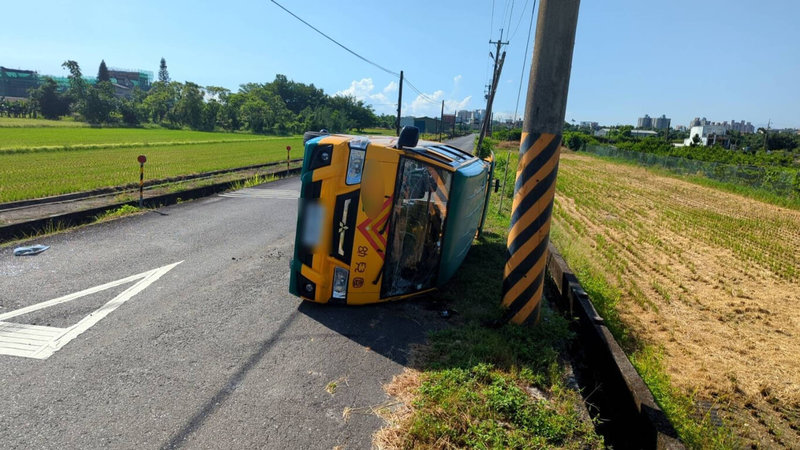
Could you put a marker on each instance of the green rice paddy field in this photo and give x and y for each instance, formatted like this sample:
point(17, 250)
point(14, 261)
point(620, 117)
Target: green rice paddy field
point(39, 161)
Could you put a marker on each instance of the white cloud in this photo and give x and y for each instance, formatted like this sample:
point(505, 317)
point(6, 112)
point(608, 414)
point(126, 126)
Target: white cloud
point(391, 87)
point(385, 100)
point(359, 89)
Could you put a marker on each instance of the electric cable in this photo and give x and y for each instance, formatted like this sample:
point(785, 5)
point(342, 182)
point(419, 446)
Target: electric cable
point(337, 42)
point(405, 80)
point(516, 108)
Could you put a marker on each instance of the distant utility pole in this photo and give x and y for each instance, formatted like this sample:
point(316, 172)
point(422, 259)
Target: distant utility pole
point(399, 104)
point(534, 190)
point(766, 146)
point(498, 68)
point(441, 122)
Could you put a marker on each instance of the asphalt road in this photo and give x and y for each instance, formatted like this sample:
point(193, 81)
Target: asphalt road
point(210, 353)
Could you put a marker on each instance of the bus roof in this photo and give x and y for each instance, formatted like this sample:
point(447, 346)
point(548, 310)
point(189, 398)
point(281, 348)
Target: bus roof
point(436, 151)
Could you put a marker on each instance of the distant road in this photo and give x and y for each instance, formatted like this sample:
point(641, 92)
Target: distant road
point(464, 142)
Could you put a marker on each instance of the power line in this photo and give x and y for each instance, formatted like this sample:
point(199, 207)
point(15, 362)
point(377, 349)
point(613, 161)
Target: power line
point(519, 22)
point(519, 90)
point(510, 15)
point(336, 42)
point(491, 27)
point(422, 95)
point(524, 59)
point(425, 97)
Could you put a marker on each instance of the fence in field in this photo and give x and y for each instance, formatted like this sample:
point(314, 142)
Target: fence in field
point(780, 181)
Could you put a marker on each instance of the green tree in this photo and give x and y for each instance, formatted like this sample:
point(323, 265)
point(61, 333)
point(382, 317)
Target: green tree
point(100, 103)
point(102, 72)
point(163, 74)
point(77, 85)
point(211, 111)
point(161, 100)
point(132, 110)
point(189, 108)
point(48, 100)
point(296, 96)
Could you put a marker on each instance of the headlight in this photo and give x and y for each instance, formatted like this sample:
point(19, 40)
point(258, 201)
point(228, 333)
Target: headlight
point(355, 166)
point(340, 277)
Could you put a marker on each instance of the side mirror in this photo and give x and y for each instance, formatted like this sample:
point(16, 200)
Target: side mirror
point(496, 185)
point(409, 136)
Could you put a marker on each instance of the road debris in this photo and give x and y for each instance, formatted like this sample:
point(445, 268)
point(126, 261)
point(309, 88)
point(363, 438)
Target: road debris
point(30, 250)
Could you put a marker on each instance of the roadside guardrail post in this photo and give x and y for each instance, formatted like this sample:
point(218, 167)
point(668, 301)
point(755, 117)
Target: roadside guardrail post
point(142, 159)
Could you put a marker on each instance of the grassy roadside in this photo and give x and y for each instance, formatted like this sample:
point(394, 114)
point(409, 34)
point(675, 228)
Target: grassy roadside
point(477, 386)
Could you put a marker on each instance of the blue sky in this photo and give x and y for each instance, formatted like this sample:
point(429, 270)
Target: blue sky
point(719, 59)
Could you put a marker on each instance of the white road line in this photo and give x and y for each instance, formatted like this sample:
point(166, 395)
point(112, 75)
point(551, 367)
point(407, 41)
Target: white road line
point(35, 341)
point(14, 341)
point(283, 194)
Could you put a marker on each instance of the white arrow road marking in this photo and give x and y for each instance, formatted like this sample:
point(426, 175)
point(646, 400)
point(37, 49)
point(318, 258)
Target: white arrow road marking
point(34, 341)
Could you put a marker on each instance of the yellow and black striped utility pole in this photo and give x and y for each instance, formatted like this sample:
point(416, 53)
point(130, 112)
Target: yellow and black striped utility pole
point(545, 108)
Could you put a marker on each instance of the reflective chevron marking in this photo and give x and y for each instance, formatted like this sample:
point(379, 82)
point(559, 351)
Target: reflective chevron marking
point(523, 276)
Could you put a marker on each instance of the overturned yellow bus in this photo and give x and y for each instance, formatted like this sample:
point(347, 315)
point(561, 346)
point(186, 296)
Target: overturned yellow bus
point(384, 218)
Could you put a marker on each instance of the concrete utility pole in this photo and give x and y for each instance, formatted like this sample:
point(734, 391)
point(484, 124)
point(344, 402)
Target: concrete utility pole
point(399, 103)
point(498, 68)
point(534, 190)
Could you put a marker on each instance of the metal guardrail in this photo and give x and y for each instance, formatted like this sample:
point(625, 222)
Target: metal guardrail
point(644, 423)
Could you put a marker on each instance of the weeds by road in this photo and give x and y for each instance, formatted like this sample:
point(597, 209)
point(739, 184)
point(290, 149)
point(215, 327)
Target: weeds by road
point(478, 386)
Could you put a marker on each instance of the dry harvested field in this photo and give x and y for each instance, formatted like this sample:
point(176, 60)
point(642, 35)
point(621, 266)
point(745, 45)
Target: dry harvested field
point(710, 279)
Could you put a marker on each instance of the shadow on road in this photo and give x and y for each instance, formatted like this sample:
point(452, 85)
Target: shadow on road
point(194, 423)
point(389, 329)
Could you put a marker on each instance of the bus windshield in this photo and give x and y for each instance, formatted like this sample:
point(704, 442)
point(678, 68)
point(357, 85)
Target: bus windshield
point(416, 228)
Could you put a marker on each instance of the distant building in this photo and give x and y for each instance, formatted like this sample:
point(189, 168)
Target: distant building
point(661, 123)
point(406, 121)
point(741, 127)
point(708, 135)
point(590, 125)
point(643, 133)
point(696, 122)
point(449, 121)
point(603, 132)
point(16, 83)
point(427, 124)
point(644, 122)
point(125, 81)
point(477, 115)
